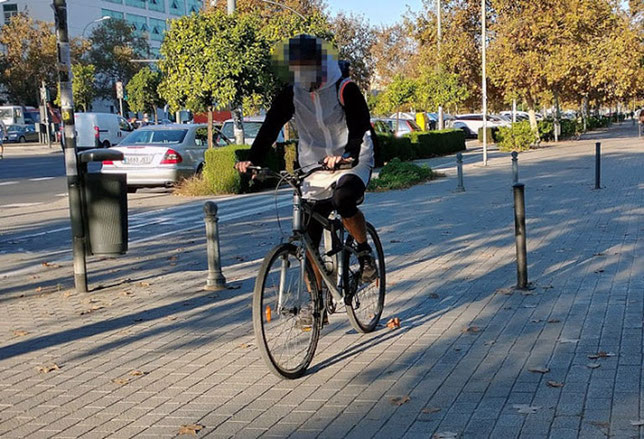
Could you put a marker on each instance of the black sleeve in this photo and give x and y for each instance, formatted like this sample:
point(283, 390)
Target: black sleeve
point(358, 119)
point(281, 112)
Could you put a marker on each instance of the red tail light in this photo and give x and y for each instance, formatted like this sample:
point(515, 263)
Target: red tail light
point(97, 132)
point(108, 162)
point(171, 157)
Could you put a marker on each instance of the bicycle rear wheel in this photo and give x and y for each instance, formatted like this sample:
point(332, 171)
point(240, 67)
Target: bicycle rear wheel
point(287, 325)
point(366, 300)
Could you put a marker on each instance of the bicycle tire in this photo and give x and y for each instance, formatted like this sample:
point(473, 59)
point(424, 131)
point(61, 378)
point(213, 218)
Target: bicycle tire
point(357, 321)
point(263, 321)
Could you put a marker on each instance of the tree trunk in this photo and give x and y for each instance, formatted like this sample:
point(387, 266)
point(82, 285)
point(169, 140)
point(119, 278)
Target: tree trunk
point(238, 124)
point(156, 116)
point(210, 145)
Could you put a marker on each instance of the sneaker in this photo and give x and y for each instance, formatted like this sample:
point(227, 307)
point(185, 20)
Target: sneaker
point(368, 266)
point(304, 318)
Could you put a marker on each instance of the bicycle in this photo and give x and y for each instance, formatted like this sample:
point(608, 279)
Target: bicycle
point(289, 303)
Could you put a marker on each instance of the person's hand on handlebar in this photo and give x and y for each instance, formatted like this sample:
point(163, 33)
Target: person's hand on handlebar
point(242, 167)
point(333, 161)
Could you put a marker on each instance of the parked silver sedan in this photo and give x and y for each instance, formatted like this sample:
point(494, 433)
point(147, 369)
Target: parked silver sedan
point(161, 155)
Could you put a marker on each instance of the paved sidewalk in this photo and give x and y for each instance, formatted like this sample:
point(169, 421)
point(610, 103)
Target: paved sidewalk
point(149, 351)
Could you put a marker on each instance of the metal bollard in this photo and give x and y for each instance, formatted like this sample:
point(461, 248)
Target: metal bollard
point(216, 279)
point(459, 168)
point(520, 235)
point(515, 167)
point(598, 165)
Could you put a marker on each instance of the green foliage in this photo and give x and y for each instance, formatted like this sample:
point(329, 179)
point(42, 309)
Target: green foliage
point(212, 59)
point(289, 153)
point(219, 169)
point(399, 175)
point(114, 44)
point(439, 87)
point(397, 96)
point(595, 122)
point(492, 134)
point(517, 137)
point(142, 91)
point(221, 176)
point(546, 129)
point(83, 86)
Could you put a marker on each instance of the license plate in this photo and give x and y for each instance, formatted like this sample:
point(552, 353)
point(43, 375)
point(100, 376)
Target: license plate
point(136, 160)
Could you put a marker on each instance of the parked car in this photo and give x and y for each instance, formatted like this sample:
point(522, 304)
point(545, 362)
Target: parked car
point(21, 134)
point(471, 123)
point(160, 155)
point(19, 115)
point(521, 115)
point(100, 130)
point(398, 127)
point(251, 125)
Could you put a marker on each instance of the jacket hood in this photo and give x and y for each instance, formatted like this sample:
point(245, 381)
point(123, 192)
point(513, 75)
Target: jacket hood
point(330, 72)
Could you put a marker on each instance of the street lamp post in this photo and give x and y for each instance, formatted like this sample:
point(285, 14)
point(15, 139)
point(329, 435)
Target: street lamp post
point(484, 83)
point(439, 38)
point(106, 17)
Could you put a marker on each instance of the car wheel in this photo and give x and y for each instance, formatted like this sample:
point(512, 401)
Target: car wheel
point(131, 189)
point(106, 144)
point(22, 139)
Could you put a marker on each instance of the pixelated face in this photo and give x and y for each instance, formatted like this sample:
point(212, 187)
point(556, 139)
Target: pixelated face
point(302, 60)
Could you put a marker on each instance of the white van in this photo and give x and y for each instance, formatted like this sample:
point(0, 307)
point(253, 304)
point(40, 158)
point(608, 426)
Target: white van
point(100, 130)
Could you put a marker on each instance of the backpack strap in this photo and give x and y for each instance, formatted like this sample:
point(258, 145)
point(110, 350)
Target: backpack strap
point(339, 86)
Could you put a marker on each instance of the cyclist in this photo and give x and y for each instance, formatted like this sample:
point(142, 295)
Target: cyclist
point(334, 128)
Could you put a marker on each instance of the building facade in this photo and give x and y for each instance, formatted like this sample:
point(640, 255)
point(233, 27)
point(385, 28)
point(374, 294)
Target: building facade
point(148, 17)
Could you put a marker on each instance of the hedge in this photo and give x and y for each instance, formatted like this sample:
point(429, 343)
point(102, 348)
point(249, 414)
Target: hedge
point(492, 134)
point(221, 175)
point(222, 178)
point(418, 145)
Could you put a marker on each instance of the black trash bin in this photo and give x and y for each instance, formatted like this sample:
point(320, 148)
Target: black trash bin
point(104, 205)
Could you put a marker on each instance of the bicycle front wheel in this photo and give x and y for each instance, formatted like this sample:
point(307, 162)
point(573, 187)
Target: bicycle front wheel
point(367, 300)
point(287, 316)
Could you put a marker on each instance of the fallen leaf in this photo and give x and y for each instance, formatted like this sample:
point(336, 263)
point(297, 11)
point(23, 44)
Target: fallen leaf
point(172, 318)
point(536, 320)
point(433, 296)
point(554, 321)
point(526, 409)
point(191, 429)
point(145, 284)
point(638, 423)
point(245, 345)
point(240, 258)
point(120, 381)
point(125, 293)
point(547, 287)
point(527, 293)
point(400, 400)
point(554, 384)
point(49, 265)
point(394, 241)
point(428, 410)
point(393, 323)
point(599, 254)
point(48, 368)
point(593, 365)
point(529, 306)
point(489, 343)
point(471, 330)
point(233, 287)
point(91, 310)
point(539, 369)
point(505, 291)
point(137, 373)
point(173, 258)
point(444, 435)
point(38, 290)
point(19, 333)
point(66, 294)
point(599, 271)
point(601, 354)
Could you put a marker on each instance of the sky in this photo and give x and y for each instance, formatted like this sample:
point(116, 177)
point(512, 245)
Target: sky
point(376, 11)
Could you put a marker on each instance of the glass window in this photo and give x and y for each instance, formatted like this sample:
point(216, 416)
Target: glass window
point(193, 6)
point(124, 125)
point(154, 137)
point(113, 14)
point(156, 5)
point(177, 7)
point(9, 11)
point(120, 2)
point(138, 22)
point(201, 137)
point(135, 3)
point(157, 29)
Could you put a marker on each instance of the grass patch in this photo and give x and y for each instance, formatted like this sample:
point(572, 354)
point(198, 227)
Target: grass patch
point(400, 175)
point(195, 186)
